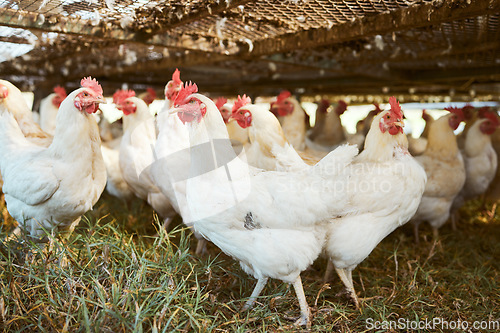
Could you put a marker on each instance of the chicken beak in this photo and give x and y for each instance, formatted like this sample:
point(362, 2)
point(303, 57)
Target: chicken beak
point(100, 100)
point(399, 124)
point(174, 110)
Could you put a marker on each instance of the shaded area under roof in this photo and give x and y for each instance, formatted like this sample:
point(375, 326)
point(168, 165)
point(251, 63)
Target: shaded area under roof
point(332, 47)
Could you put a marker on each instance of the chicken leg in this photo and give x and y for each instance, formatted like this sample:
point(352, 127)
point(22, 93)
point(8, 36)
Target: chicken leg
point(167, 222)
point(435, 233)
point(415, 233)
point(261, 283)
point(328, 272)
point(72, 227)
point(345, 275)
point(305, 312)
point(454, 220)
point(201, 247)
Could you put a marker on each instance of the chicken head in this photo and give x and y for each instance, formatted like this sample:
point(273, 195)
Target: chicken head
point(457, 115)
point(490, 124)
point(282, 107)
point(392, 121)
point(88, 100)
point(123, 103)
point(242, 116)
point(224, 111)
point(59, 97)
point(173, 86)
point(187, 107)
point(150, 96)
point(341, 107)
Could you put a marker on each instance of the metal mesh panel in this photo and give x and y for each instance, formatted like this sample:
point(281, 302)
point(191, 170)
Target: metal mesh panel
point(255, 42)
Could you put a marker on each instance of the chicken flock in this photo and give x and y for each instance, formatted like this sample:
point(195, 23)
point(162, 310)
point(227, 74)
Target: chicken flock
point(254, 181)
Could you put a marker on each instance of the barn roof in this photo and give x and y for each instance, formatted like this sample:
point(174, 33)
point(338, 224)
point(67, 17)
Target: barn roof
point(378, 47)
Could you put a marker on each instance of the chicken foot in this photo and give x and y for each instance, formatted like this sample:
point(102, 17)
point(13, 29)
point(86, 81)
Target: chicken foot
point(345, 275)
point(261, 283)
point(165, 224)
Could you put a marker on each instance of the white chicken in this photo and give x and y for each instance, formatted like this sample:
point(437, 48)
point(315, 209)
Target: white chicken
point(332, 133)
point(265, 133)
point(272, 222)
point(444, 166)
point(417, 146)
point(383, 174)
point(148, 96)
point(12, 101)
point(292, 118)
point(319, 123)
point(48, 109)
point(237, 134)
point(390, 179)
point(52, 187)
point(172, 158)
point(116, 184)
point(137, 152)
point(480, 161)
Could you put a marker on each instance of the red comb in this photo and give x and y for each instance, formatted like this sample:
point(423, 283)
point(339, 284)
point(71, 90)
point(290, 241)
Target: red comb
point(220, 102)
point(492, 116)
point(458, 111)
point(176, 77)
point(323, 105)
point(468, 111)
point(120, 95)
point(240, 102)
point(468, 107)
point(151, 93)
point(92, 84)
point(483, 111)
point(341, 107)
point(425, 115)
point(283, 95)
point(185, 91)
point(60, 91)
point(395, 108)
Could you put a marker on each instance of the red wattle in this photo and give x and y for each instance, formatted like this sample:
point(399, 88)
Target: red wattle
point(393, 130)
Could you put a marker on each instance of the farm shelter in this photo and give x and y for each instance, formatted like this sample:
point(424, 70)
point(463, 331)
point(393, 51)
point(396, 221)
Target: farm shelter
point(399, 47)
point(122, 271)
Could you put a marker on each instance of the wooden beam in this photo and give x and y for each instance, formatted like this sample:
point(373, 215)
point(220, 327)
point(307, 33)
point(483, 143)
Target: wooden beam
point(142, 33)
point(74, 26)
point(14, 39)
point(186, 58)
point(415, 16)
point(454, 74)
point(173, 15)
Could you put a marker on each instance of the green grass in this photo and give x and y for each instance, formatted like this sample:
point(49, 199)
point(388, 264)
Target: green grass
point(113, 275)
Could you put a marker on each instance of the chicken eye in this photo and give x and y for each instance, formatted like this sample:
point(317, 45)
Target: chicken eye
point(85, 94)
point(388, 117)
